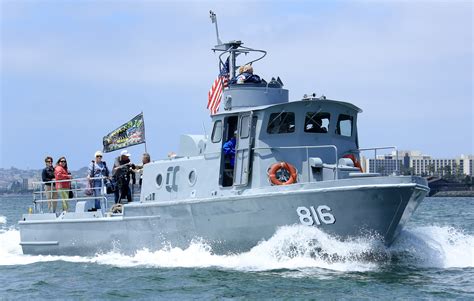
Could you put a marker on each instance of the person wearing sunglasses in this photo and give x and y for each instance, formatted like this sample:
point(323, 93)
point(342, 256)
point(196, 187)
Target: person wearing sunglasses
point(47, 176)
point(63, 187)
point(97, 172)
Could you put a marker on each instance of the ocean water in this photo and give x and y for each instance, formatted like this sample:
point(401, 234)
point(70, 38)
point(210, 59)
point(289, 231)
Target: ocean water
point(432, 259)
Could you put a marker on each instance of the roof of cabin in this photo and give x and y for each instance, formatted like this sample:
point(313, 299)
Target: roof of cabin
point(319, 101)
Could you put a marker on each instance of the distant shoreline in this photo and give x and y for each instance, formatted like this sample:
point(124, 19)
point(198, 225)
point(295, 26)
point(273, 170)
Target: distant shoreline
point(461, 193)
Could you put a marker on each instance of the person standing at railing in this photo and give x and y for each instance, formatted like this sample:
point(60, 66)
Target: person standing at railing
point(97, 169)
point(47, 176)
point(63, 187)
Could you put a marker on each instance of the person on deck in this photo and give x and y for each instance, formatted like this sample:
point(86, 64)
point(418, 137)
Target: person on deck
point(139, 168)
point(61, 173)
point(97, 169)
point(246, 75)
point(47, 175)
point(229, 160)
point(229, 149)
point(122, 171)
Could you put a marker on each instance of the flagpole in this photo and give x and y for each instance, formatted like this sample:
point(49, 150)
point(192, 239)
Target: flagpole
point(143, 116)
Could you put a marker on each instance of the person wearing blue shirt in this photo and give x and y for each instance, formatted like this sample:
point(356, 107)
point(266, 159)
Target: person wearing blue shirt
point(229, 149)
point(246, 76)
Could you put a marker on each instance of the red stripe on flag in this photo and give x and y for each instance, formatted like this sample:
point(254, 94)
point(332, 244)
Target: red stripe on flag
point(215, 94)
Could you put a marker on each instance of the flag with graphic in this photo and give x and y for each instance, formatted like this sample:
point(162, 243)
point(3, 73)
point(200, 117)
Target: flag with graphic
point(215, 93)
point(128, 134)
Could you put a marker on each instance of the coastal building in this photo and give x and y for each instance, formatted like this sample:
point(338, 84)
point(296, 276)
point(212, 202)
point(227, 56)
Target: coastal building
point(468, 164)
point(417, 163)
point(24, 185)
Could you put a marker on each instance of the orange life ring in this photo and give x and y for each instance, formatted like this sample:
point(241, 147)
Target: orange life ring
point(290, 169)
point(354, 160)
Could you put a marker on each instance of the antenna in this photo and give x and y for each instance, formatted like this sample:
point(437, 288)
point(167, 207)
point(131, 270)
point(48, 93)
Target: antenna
point(204, 128)
point(213, 17)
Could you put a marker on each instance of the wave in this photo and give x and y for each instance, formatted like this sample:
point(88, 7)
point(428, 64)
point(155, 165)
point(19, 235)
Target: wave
point(3, 220)
point(292, 248)
point(434, 246)
point(11, 253)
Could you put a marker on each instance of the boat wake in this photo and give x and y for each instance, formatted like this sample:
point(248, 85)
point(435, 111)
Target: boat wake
point(291, 248)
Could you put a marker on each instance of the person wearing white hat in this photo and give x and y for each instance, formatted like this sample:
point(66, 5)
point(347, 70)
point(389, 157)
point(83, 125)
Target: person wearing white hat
point(122, 171)
point(96, 171)
point(125, 153)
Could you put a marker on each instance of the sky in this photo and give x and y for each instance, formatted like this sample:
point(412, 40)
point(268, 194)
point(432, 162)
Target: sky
point(72, 71)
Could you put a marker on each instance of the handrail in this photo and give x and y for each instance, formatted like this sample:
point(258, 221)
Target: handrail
point(71, 199)
point(397, 165)
point(240, 49)
point(336, 174)
point(72, 189)
point(68, 180)
point(40, 193)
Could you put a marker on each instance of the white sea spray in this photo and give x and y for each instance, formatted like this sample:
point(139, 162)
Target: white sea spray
point(292, 247)
point(434, 246)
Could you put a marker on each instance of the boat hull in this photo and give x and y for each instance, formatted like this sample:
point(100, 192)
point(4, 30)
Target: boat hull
point(230, 224)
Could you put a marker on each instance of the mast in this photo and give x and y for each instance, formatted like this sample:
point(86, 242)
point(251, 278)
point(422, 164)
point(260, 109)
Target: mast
point(231, 47)
point(213, 17)
point(234, 48)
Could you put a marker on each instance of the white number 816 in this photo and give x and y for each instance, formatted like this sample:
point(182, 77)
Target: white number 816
point(311, 216)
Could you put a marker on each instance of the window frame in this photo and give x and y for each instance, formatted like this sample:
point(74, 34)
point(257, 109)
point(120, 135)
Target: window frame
point(272, 118)
point(244, 127)
point(213, 135)
point(338, 125)
point(307, 119)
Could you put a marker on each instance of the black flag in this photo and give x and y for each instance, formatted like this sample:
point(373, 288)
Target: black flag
point(129, 133)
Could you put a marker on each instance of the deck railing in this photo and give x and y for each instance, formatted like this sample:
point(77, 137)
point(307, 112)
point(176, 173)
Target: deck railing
point(375, 149)
point(79, 186)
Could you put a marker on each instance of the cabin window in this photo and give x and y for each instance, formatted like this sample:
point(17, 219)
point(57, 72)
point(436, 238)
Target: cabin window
point(217, 131)
point(344, 125)
point(244, 126)
point(317, 122)
point(280, 123)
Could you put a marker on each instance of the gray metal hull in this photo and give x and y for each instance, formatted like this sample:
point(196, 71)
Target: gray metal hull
point(236, 223)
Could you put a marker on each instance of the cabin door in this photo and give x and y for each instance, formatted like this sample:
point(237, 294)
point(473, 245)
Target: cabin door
point(243, 151)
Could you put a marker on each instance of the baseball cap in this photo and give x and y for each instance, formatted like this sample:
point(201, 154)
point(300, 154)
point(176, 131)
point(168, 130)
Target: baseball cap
point(125, 153)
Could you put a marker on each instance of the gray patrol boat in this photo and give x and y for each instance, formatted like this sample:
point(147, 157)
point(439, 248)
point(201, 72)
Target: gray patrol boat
point(295, 163)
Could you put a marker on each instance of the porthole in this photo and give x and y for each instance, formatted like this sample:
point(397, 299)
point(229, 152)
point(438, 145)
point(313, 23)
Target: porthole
point(159, 180)
point(192, 177)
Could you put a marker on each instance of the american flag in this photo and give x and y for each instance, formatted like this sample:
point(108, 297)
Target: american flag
point(215, 93)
